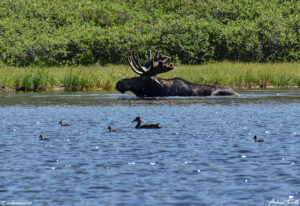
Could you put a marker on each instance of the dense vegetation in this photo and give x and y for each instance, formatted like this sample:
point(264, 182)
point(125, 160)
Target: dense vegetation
point(105, 77)
point(63, 32)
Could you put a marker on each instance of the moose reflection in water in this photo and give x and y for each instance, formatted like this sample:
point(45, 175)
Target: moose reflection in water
point(147, 84)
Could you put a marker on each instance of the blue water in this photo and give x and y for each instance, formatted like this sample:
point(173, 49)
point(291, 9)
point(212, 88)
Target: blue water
point(204, 154)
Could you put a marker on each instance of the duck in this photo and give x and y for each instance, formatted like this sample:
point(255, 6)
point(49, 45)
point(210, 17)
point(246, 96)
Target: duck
point(112, 130)
point(145, 126)
point(63, 124)
point(257, 140)
point(44, 138)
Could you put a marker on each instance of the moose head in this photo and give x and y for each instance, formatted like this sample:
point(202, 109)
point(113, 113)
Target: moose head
point(147, 79)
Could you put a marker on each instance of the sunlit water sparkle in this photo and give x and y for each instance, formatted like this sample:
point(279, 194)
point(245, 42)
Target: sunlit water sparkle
point(204, 154)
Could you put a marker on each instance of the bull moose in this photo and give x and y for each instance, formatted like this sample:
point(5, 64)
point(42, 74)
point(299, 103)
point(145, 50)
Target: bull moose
point(147, 84)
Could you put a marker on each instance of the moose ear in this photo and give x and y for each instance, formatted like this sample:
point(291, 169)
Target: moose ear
point(153, 78)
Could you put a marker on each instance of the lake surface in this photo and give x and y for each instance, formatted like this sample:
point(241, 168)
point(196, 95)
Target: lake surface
point(204, 154)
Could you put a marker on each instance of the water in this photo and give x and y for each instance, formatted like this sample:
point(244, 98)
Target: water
point(204, 154)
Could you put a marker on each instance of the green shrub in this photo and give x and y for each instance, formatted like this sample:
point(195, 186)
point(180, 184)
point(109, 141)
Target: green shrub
point(62, 32)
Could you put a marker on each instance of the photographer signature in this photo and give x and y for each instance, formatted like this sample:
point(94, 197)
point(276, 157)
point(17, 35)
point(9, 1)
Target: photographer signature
point(285, 202)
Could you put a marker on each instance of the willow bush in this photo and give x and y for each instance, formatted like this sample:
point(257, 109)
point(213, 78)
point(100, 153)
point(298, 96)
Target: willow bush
point(86, 32)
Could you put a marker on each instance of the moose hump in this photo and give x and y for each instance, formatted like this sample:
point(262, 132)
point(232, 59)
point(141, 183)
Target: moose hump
point(147, 84)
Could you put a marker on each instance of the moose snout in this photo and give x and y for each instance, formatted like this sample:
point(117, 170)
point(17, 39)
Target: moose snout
point(120, 87)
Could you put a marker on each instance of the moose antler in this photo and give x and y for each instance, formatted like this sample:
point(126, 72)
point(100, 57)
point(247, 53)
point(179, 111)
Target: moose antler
point(153, 67)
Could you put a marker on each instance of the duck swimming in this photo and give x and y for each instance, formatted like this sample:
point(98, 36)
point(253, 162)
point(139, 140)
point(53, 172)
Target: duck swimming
point(44, 138)
point(63, 124)
point(257, 140)
point(145, 126)
point(112, 130)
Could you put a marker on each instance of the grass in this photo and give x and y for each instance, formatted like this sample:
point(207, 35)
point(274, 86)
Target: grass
point(105, 77)
point(240, 74)
point(69, 78)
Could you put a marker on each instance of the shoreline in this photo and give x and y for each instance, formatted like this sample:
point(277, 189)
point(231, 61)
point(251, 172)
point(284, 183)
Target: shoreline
point(104, 78)
point(63, 89)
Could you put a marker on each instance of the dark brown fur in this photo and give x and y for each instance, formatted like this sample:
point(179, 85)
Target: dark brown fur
point(149, 85)
point(153, 86)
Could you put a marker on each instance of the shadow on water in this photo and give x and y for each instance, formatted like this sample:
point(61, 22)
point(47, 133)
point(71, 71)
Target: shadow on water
point(100, 99)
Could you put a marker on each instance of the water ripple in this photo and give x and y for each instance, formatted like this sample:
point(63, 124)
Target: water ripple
point(204, 154)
